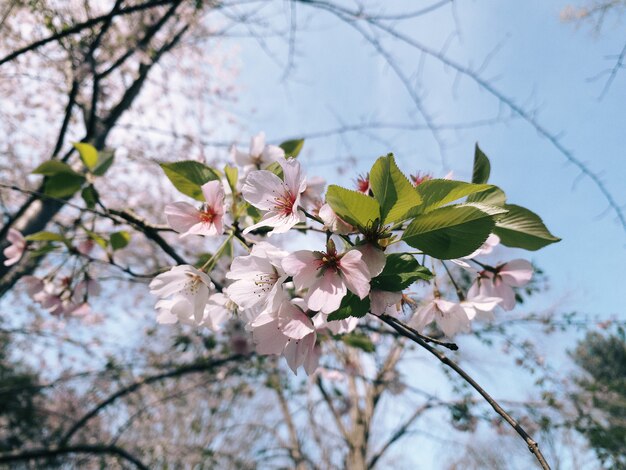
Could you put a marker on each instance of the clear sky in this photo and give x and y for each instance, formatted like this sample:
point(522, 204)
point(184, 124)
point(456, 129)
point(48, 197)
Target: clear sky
point(541, 63)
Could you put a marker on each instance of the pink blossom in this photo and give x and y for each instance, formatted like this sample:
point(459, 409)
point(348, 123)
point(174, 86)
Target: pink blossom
point(259, 155)
point(258, 277)
point(485, 249)
point(85, 246)
point(184, 293)
point(363, 183)
point(187, 220)
point(328, 276)
point(449, 317)
point(373, 257)
point(16, 249)
point(516, 273)
point(33, 285)
point(279, 198)
point(333, 222)
point(311, 198)
point(384, 301)
point(480, 308)
point(218, 309)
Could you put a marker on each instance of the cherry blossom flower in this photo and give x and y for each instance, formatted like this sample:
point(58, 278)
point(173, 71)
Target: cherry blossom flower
point(480, 308)
point(258, 277)
point(218, 309)
point(373, 257)
point(85, 246)
point(280, 198)
point(184, 292)
point(333, 222)
point(16, 249)
point(420, 177)
point(328, 276)
point(450, 317)
point(516, 273)
point(290, 333)
point(384, 301)
point(259, 155)
point(187, 220)
point(363, 183)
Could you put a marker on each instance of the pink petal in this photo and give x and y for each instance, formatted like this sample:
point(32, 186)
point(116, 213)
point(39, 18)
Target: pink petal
point(516, 273)
point(261, 188)
point(213, 192)
point(355, 273)
point(303, 266)
point(373, 257)
point(293, 322)
point(181, 216)
point(291, 172)
point(325, 293)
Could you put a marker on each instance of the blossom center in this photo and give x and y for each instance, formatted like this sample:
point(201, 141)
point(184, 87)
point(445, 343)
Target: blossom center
point(283, 204)
point(207, 215)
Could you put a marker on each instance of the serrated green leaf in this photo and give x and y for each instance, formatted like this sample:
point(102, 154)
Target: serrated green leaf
point(401, 270)
point(439, 192)
point(188, 176)
point(232, 176)
point(45, 237)
point(54, 167)
point(88, 154)
point(105, 160)
point(482, 167)
point(393, 191)
point(293, 147)
point(360, 341)
point(452, 231)
point(491, 197)
point(119, 239)
point(351, 306)
point(522, 228)
point(90, 196)
point(353, 207)
point(63, 185)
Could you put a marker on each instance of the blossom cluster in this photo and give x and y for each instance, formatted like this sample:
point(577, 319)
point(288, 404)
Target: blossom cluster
point(292, 301)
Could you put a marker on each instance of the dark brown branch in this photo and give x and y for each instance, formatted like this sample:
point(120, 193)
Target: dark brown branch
point(532, 444)
point(52, 452)
point(182, 370)
point(84, 25)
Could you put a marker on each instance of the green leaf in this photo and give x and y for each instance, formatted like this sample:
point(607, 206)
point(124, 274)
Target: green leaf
point(360, 341)
point(492, 197)
point(119, 239)
point(63, 185)
point(97, 238)
point(232, 175)
point(292, 148)
point(401, 270)
point(43, 250)
point(106, 159)
point(393, 191)
point(452, 231)
point(46, 237)
point(88, 154)
point(188, 176)
point(439, 192)
point(90, 196)
point(54, 167)
point(482, 167)
point(351, 306)
point(275, 168)
point(353, 207)
point(522, 228)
